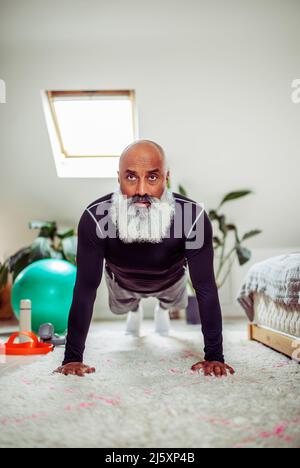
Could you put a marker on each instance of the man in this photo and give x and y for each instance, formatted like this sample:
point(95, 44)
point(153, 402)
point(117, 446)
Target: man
point(147, 236)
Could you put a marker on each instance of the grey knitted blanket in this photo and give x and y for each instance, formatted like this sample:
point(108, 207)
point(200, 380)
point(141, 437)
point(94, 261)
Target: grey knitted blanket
point(277, 277)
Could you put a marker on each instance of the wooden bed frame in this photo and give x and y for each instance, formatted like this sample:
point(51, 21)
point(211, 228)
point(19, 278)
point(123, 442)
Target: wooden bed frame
point(275, 340)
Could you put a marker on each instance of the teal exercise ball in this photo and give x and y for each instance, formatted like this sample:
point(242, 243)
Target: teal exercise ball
point(49, 285)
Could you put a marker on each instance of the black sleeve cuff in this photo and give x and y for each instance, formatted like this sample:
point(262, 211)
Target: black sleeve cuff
point(215, 358)
point(67, 361)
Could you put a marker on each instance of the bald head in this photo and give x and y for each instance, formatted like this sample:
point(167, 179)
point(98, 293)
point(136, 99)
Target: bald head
point(141, 149)
point(143, 169)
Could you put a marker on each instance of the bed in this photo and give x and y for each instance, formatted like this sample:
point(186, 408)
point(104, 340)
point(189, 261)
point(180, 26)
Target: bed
point(270, 296)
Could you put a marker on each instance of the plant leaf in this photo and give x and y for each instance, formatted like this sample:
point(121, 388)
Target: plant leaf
point(69, 247)
point(213, 215)
point(243, 254)
point(3, 275)
point(21, 263)
point(17, 257)
point(40, 248)
point(47, 228)
point(41, 224)
point(63, 233)
point(182, 190)
point(217, 241)
point(232, 227)
point(234, 195)
point(222, 224)
point(252, 233)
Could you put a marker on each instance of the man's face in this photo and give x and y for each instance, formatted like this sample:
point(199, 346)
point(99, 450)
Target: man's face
point(142, 206)
point(142, 174)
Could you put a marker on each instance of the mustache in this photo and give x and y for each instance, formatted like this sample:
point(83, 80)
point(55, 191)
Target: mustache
point(141, 199)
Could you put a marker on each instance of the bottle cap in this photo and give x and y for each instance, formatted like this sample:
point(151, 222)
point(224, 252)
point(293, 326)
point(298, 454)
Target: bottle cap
point(25, 304)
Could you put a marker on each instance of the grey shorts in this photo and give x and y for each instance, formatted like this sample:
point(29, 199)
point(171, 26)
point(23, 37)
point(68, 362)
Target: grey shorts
point(122, 300)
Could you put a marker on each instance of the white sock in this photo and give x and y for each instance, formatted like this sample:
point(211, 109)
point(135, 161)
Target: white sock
point(162, 320)
point(134, 322)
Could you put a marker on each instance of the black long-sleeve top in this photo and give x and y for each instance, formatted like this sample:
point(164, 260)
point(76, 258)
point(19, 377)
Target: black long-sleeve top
point(145, 267)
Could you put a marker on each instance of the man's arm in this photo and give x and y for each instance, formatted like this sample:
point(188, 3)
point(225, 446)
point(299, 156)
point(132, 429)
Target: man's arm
point(90, 256)
point(201, 268)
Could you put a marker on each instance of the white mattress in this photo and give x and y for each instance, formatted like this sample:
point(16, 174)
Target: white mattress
point(276, 316)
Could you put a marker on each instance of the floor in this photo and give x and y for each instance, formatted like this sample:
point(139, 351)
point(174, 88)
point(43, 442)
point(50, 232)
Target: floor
point(145, 395)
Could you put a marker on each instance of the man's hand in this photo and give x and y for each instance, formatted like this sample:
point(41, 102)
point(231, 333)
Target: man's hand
point(75, 368)
point(219, 369)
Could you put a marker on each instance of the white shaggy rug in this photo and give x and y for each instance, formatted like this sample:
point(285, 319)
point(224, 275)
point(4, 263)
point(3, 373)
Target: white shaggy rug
point(144, 395)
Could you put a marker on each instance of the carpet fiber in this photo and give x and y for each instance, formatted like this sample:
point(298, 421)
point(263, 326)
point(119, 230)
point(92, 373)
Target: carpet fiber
point(145, 395)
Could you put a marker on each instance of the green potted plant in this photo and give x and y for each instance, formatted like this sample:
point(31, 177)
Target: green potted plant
point(228, 245)
point(49, 243)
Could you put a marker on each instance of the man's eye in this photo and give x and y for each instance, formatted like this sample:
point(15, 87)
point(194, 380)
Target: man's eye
point(153, 178)
point(131, 177)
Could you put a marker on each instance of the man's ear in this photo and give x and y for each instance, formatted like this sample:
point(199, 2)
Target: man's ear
point(118, 176)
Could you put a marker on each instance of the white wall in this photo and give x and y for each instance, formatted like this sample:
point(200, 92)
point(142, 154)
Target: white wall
point(213, 85)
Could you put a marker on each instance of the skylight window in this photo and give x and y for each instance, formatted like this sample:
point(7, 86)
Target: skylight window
point(91, 126)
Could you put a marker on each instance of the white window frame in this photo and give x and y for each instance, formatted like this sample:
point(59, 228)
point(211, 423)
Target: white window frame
point(83, 166)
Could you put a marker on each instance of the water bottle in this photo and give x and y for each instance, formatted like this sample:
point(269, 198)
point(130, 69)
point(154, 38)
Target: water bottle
point(25, 319)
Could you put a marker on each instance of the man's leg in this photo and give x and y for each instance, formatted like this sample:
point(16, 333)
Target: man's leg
point(122, 301)
point(175, 296)
point(161, 320)
point(134, 321)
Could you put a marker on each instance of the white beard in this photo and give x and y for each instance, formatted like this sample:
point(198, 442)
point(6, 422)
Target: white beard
point(142, 224)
